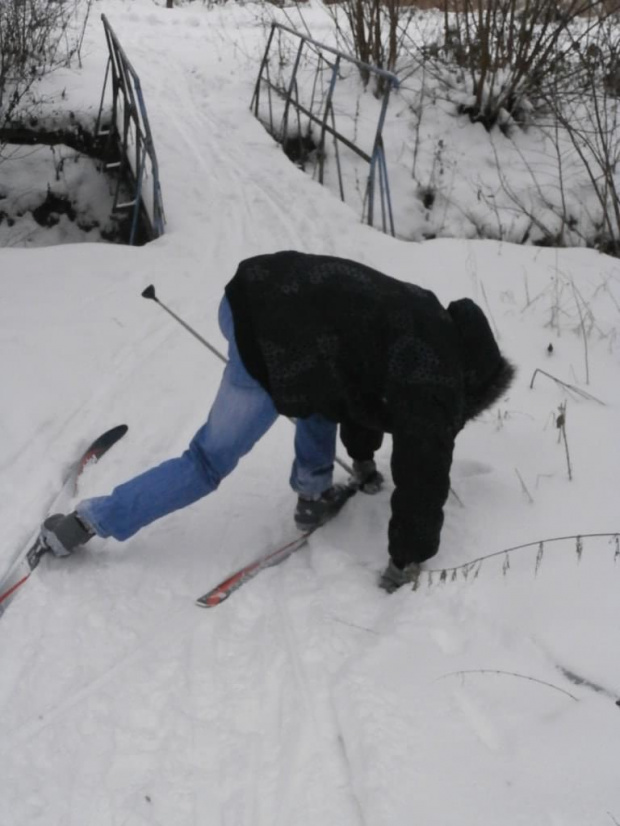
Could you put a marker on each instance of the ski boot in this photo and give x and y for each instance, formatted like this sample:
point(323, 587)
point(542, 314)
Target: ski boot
point(314, 511)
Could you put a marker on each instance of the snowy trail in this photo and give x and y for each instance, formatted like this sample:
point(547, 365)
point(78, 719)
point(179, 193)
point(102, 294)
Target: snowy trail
point(234, 182)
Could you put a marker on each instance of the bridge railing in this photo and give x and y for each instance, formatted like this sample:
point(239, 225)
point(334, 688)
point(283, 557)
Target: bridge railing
point(295, 100)
point(130, 150)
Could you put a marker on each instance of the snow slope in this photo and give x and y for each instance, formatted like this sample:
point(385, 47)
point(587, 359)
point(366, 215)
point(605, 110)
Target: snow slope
point(310, 697)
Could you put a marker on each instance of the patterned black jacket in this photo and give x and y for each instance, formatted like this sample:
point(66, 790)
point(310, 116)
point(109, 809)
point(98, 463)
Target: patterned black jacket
point(331, 336)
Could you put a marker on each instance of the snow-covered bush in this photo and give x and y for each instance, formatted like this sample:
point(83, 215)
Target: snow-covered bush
point(508, 52)
point(588, 115)
point(56, 195)
point(36, 37)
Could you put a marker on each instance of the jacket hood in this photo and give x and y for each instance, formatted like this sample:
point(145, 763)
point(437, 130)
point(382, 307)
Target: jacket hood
point(488, 375)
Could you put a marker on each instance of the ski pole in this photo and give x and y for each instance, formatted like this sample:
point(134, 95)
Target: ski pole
point(149, 292)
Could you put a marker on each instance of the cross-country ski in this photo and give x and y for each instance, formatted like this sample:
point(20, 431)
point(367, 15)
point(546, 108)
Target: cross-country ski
point(233, 582)
point(26, 561)
point(268, 559)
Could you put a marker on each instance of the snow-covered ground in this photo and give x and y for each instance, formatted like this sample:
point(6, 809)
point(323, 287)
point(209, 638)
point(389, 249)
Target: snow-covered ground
point(310, 697)
point(61, 188)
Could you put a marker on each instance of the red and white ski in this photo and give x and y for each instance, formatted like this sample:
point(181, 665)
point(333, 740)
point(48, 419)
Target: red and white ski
point(27, 560)
point(267, 560)
point(222, 591)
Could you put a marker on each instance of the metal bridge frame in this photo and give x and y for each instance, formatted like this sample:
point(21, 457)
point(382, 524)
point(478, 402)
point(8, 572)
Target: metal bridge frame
point(129, 142)
point(377, 168)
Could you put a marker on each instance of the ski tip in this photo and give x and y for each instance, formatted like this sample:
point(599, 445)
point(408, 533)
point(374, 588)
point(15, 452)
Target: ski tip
point(107, 440)
point(101, 445)
point(117, 432)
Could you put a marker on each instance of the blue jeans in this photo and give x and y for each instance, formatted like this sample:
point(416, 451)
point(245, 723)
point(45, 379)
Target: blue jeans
point(241, 413)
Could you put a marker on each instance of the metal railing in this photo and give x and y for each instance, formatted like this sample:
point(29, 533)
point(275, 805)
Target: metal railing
point(129, 143)
point(323, 114)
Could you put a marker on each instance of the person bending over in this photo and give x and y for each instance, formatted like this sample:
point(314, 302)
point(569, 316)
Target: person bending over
point(329, 342)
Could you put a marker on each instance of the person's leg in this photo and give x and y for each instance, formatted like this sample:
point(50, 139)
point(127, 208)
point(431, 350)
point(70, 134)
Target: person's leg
point(311, 478)
point(241, 413)
point(315, 451)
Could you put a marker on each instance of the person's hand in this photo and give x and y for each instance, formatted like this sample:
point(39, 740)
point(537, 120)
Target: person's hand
point(394, 577)
point(62, 535)
point(366, 476)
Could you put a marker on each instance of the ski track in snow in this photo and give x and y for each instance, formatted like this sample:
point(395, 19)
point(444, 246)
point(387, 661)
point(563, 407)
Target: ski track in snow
point(309, 697)
point(228, 185)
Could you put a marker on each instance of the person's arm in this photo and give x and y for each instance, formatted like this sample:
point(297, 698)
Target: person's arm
point(423, 443)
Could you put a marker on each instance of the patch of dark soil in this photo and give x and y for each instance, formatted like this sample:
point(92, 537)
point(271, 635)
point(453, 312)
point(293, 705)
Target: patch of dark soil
point(300, 148)
point(75, 137)
point(48, 213)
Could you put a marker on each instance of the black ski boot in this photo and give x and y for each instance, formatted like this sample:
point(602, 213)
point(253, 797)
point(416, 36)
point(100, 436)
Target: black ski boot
point(313, 512)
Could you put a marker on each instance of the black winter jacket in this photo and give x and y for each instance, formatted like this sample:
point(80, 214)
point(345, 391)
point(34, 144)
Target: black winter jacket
point(328, 335)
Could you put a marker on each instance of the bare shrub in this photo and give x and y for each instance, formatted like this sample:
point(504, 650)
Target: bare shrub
point(36, 37)
point(508, 51)
point(589, 115)
point(374, 31)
